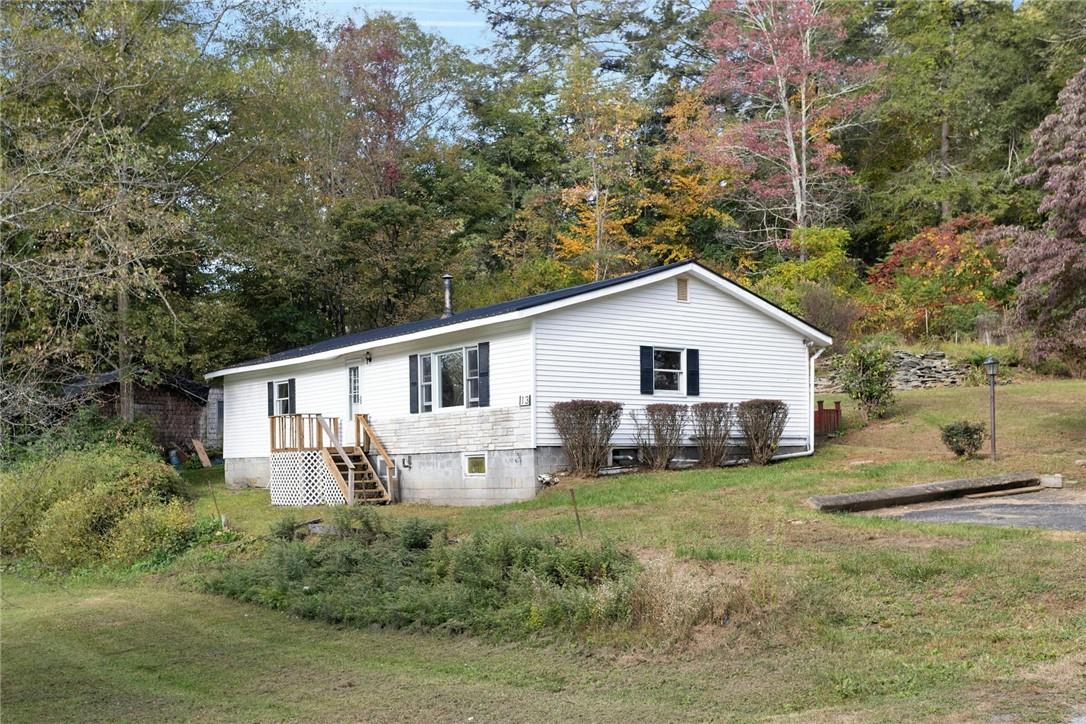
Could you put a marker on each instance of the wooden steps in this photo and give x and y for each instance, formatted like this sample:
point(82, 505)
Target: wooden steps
point(368, 487)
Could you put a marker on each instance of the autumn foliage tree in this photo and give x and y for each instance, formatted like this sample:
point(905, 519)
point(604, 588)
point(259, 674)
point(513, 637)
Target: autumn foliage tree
point(777, 70)
point(940, 280)
point(602, 123)
point(1050, 262)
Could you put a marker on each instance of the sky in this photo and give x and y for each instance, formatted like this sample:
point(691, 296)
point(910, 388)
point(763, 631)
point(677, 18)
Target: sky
point(453, 19)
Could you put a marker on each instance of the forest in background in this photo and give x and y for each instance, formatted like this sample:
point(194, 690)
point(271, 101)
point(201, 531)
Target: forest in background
point(188, 184)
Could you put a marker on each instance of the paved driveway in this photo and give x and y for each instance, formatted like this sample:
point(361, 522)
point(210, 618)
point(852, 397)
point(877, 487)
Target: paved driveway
point(1057, 509)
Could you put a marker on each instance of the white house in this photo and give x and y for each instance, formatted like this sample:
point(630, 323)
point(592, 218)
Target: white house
point(457, 409)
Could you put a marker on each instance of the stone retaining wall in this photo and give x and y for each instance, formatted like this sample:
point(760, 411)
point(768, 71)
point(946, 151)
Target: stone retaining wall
point(912, 371)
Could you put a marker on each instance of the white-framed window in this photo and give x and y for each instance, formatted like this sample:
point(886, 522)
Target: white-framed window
point(471, 376)
point(354, 390)
point(449, 378)
point(667, 369)
point(282, 397)
point(426, 383)
point(475, 464)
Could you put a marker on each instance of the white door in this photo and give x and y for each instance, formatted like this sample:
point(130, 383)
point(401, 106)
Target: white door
point(354, 401)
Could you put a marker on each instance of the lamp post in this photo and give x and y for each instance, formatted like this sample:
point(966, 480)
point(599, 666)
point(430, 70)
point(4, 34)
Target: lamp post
point(991, 367)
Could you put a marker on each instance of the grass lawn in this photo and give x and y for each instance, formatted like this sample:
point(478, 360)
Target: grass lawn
point(835, 617)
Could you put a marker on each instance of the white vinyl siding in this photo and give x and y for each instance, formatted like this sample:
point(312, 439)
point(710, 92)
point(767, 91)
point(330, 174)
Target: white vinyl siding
point(385, 397)
point(591, 351)
point(318, 387)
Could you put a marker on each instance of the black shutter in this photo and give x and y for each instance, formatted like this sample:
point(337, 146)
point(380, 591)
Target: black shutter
point(484, 374)
point(271, 399)
point(290, 393)
point(646, 370)
point(413, 377)
point(693, 372)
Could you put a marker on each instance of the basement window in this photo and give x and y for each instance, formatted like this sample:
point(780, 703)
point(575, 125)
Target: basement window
point(475, 464)
point(623, 456)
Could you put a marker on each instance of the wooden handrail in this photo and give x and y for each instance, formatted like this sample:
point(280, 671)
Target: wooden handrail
point(364, 435)
point(372, 437)
point(333, 437)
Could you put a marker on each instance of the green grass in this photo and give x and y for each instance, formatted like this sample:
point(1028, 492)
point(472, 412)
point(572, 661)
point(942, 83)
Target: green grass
point(828, 616)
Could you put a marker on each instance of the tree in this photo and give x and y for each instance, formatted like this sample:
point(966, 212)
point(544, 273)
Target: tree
point(602, 122)
point(791, 96)
point(823, 261)
point(534, 36)
point(346, 140)
point(1050, 262)
point(111, 112)
point(937, 282)
point(683, 212)
point(962, 86)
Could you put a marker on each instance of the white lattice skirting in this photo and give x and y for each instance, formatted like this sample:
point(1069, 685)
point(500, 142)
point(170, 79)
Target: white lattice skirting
point(302, 478)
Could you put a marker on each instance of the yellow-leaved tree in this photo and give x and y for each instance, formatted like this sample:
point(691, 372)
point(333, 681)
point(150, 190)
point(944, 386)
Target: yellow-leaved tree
point(602, 118)
point(683, 206)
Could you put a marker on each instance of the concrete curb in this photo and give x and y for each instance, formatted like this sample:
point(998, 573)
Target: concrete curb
point(887, 497)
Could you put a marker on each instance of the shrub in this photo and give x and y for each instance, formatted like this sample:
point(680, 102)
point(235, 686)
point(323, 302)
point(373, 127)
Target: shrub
point(89, 427)
point(660, 434)
point(286, 528)
point(30, 490)
point(586, 427)
point(75, 531)
point(867, 376)
point(712, 428)
point(963, 438)
point(762, 423)
point(499, 581)
point(151, 532)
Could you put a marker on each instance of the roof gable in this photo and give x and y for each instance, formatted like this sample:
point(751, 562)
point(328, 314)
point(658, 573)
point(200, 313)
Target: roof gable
point(520, 309)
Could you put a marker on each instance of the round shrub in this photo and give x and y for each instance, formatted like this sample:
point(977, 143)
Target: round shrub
point(153, 532)
point(963, 438)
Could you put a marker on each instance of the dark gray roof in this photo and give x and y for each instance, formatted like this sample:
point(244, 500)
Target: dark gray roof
point(515, 305)
point(193, 389)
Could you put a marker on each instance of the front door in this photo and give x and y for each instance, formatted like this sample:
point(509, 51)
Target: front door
point(354, 400)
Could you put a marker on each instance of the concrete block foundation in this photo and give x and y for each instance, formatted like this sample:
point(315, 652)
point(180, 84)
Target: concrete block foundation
point(247, 472)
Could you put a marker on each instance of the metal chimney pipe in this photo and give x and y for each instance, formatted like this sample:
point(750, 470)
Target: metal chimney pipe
point(446, 281)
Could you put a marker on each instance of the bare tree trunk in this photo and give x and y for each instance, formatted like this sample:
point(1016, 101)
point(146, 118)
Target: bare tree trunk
point(944, 165)
point(126, 402)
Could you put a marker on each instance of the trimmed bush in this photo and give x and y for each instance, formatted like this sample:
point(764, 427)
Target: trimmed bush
point(586, 427)
point(762, 423)
point(867, 376)
point(660, 434)
point(963, 438)
point(712, 428)
point(30, 490)
point(153, 532)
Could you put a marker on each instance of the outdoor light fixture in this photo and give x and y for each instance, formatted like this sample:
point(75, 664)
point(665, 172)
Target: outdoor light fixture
point(991, 367)
point(369, 357)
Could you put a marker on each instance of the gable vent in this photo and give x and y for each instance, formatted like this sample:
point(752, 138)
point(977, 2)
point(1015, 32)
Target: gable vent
point(681, 289)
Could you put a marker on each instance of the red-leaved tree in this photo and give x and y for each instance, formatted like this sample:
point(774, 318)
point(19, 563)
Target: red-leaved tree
point(1051, 262)
point(776, 68)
